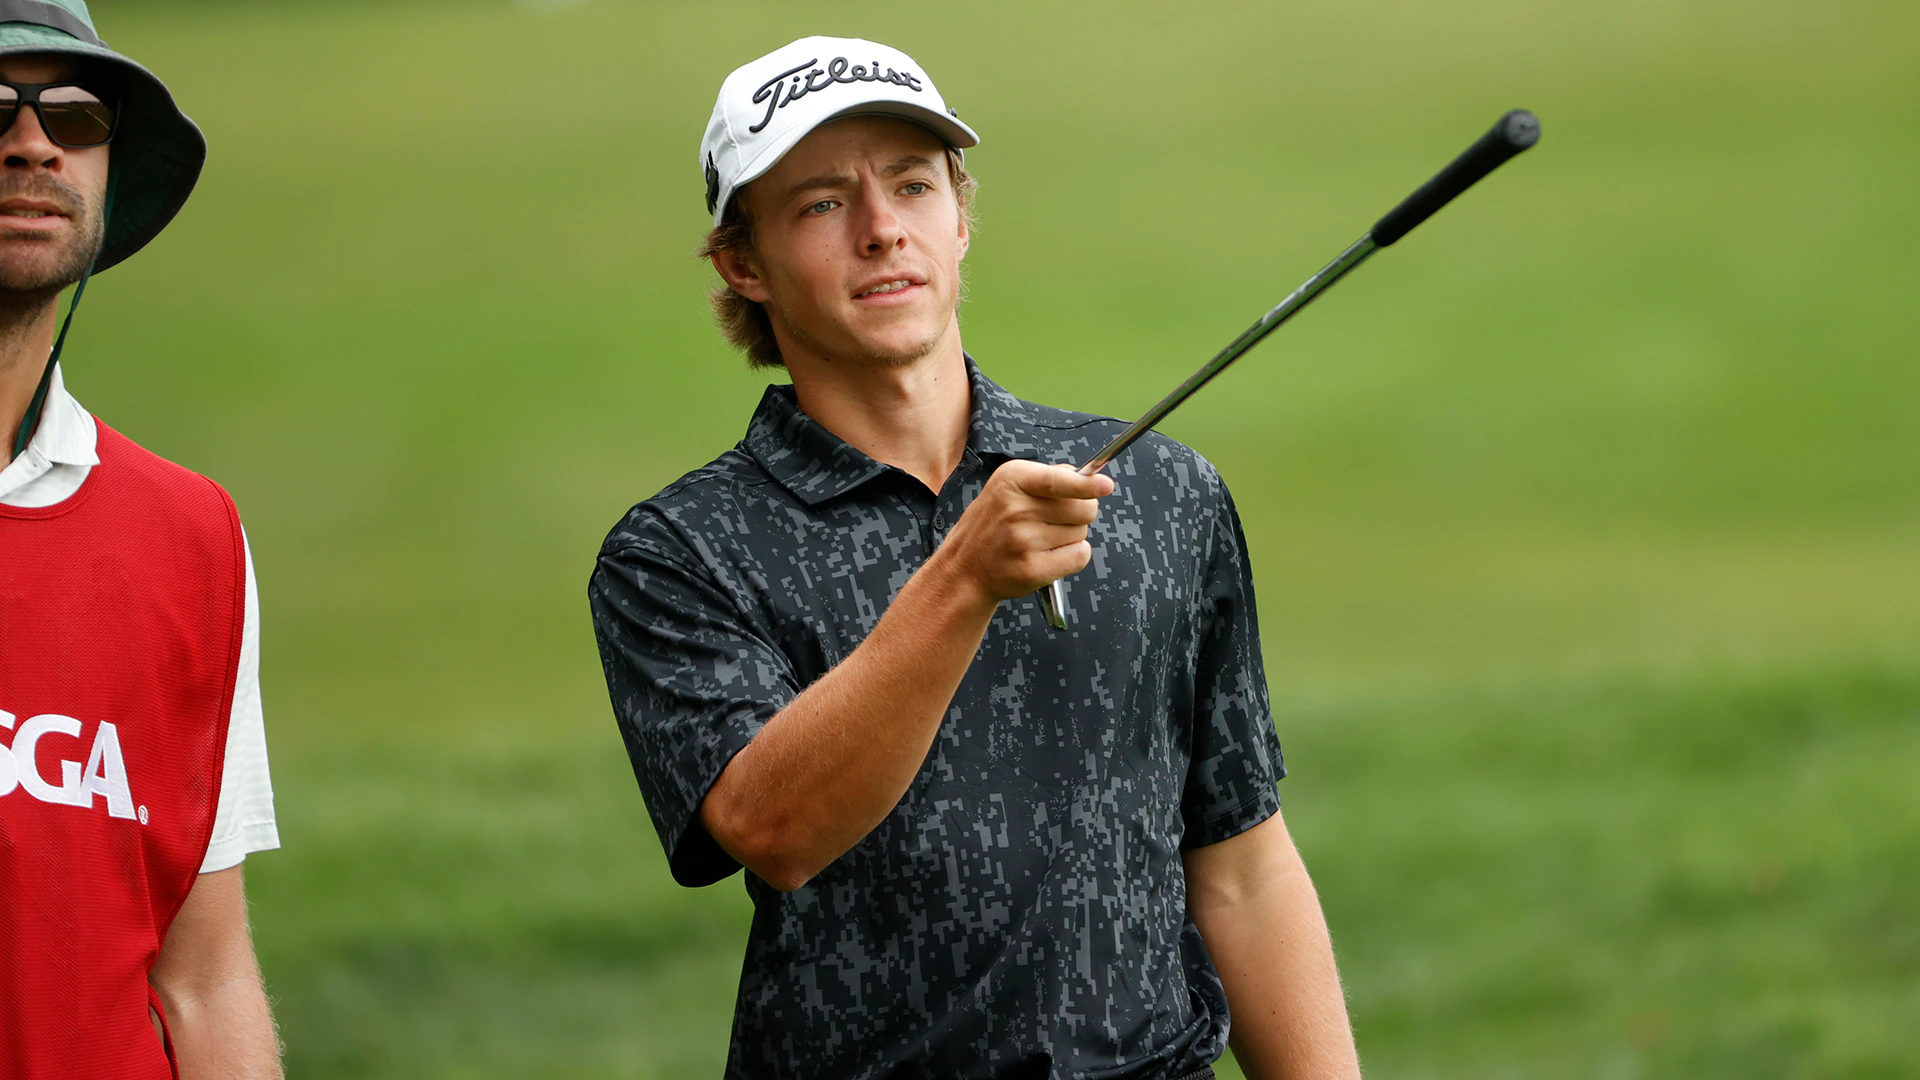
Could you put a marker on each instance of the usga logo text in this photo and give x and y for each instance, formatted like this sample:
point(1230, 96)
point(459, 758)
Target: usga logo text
point(103, 776)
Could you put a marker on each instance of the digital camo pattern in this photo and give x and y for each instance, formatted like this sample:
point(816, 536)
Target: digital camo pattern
point(1022, 912)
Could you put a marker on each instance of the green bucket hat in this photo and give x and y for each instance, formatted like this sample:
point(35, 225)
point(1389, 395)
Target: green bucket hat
point(156, 157)
point(157, 152)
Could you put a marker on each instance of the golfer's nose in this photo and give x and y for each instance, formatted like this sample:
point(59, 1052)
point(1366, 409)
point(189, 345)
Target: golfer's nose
point(882, 229)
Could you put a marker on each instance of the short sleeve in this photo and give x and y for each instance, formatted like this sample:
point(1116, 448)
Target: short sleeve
point(243, 819)
point(1236, 760)
point(691, 684)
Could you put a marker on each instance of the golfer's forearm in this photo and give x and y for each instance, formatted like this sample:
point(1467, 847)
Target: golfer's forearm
point(224, 1033)
point(1290, 1017)
point(832, 764)
point(1260, 917)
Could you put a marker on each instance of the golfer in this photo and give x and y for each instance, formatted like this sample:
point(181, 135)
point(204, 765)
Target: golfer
point(133, 769)
point(976, 846)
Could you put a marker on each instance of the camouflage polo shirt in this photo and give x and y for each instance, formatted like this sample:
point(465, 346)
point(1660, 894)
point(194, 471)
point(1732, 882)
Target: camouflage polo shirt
point(1022, 911)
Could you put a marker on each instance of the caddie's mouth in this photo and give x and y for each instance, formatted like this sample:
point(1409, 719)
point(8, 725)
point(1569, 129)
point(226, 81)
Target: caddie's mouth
point(31, 215)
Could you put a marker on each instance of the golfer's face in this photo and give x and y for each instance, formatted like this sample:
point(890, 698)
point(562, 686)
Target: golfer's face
point(860, 240)
point(51, 196)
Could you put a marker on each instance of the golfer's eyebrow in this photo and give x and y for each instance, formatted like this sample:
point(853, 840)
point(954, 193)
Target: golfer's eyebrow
point(911, 161)
point(823, 182)
point(842, 181)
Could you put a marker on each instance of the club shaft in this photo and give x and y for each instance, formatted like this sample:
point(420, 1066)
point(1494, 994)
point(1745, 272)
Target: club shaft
point(1284, 310)
point(1054, 596)
point(1515, 132)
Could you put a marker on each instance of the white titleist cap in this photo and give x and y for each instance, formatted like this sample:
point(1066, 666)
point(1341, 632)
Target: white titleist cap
point(766, 107)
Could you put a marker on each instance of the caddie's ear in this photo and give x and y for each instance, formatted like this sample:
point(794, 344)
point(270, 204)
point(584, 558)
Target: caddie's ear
point(741, 275)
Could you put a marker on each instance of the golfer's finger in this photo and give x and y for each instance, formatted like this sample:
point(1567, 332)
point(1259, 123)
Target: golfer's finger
point(1039, 537)
point(1081, 512)
point(1059, 562)
point(1060, 482)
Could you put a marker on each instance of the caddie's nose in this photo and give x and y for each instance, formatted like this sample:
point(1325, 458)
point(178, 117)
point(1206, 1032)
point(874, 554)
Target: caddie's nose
point(24, 144)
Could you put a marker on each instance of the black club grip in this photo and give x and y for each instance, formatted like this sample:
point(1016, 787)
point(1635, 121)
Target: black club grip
point(1515, 132)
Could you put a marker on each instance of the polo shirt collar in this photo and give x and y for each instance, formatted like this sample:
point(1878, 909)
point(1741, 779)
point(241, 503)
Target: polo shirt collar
point(1004, 426)
point(816, 465)
point(807, 459)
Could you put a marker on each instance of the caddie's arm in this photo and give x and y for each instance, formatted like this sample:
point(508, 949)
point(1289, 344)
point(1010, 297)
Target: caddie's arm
point(209, 982)
point(1261, 920)
point(835, 761)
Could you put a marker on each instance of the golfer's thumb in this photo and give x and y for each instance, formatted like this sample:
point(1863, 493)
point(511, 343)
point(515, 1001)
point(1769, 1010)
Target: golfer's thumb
point(1063, 482)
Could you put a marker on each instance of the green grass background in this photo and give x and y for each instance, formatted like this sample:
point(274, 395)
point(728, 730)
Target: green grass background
point(1585, 520)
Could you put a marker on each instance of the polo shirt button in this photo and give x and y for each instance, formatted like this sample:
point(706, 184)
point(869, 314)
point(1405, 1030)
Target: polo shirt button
point(940, 522)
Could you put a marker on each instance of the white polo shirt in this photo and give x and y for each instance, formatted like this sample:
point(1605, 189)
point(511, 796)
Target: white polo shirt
point(53, 466)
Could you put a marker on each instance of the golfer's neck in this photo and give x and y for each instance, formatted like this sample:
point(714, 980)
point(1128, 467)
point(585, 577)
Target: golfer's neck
point(26, 337)
point(913, 417)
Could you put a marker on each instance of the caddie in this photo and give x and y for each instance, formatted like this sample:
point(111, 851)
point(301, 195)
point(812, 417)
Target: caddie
point(133, 767)
point(976, 846)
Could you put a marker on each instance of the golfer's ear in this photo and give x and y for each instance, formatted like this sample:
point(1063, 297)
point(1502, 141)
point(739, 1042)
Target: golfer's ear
point(741, 275)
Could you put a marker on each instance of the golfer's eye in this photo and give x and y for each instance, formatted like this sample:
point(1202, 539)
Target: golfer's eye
point(918, 187)
point(823, 206)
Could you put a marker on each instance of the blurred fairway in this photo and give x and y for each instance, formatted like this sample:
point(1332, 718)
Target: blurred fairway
point(1585, 520)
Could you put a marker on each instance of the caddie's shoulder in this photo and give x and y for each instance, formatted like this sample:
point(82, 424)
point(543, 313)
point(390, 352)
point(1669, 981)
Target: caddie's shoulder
point(166, 487)
point(121, 453)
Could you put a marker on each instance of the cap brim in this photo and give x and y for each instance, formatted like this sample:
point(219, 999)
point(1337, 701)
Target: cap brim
point(949, 128)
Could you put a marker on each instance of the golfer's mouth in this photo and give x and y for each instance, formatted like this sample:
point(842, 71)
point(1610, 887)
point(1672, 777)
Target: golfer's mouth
point(889, 289)
point(31, 215)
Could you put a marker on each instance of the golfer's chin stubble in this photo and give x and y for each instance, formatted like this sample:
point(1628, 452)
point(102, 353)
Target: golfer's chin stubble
point(894, 338)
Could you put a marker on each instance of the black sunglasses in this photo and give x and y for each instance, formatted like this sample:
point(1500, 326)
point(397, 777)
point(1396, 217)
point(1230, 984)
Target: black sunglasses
point(71, 115)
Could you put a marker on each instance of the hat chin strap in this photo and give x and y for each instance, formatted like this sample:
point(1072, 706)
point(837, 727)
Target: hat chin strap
point(32, 418)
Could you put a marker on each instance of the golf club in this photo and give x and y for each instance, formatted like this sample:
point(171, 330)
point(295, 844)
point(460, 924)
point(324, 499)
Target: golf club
point(1515, 132)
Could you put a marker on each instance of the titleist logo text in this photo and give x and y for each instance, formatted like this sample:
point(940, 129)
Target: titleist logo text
point(779, 93)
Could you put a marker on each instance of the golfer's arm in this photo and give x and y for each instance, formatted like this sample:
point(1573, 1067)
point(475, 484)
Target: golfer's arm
point(206, 976)
point(831, 765)
point(1260, 918)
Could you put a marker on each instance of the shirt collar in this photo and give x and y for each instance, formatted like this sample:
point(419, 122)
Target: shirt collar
point(816, 465)
point(66, 434)
point(1005, 426)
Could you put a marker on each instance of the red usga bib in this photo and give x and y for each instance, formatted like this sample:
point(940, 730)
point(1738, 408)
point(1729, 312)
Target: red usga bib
point(121, 611)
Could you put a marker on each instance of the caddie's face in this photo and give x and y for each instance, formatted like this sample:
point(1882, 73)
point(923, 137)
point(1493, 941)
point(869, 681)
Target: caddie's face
point(858, 240)
point(51, 196)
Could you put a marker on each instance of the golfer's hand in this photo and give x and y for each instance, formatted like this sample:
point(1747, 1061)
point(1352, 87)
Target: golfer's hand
point(1028, 527)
